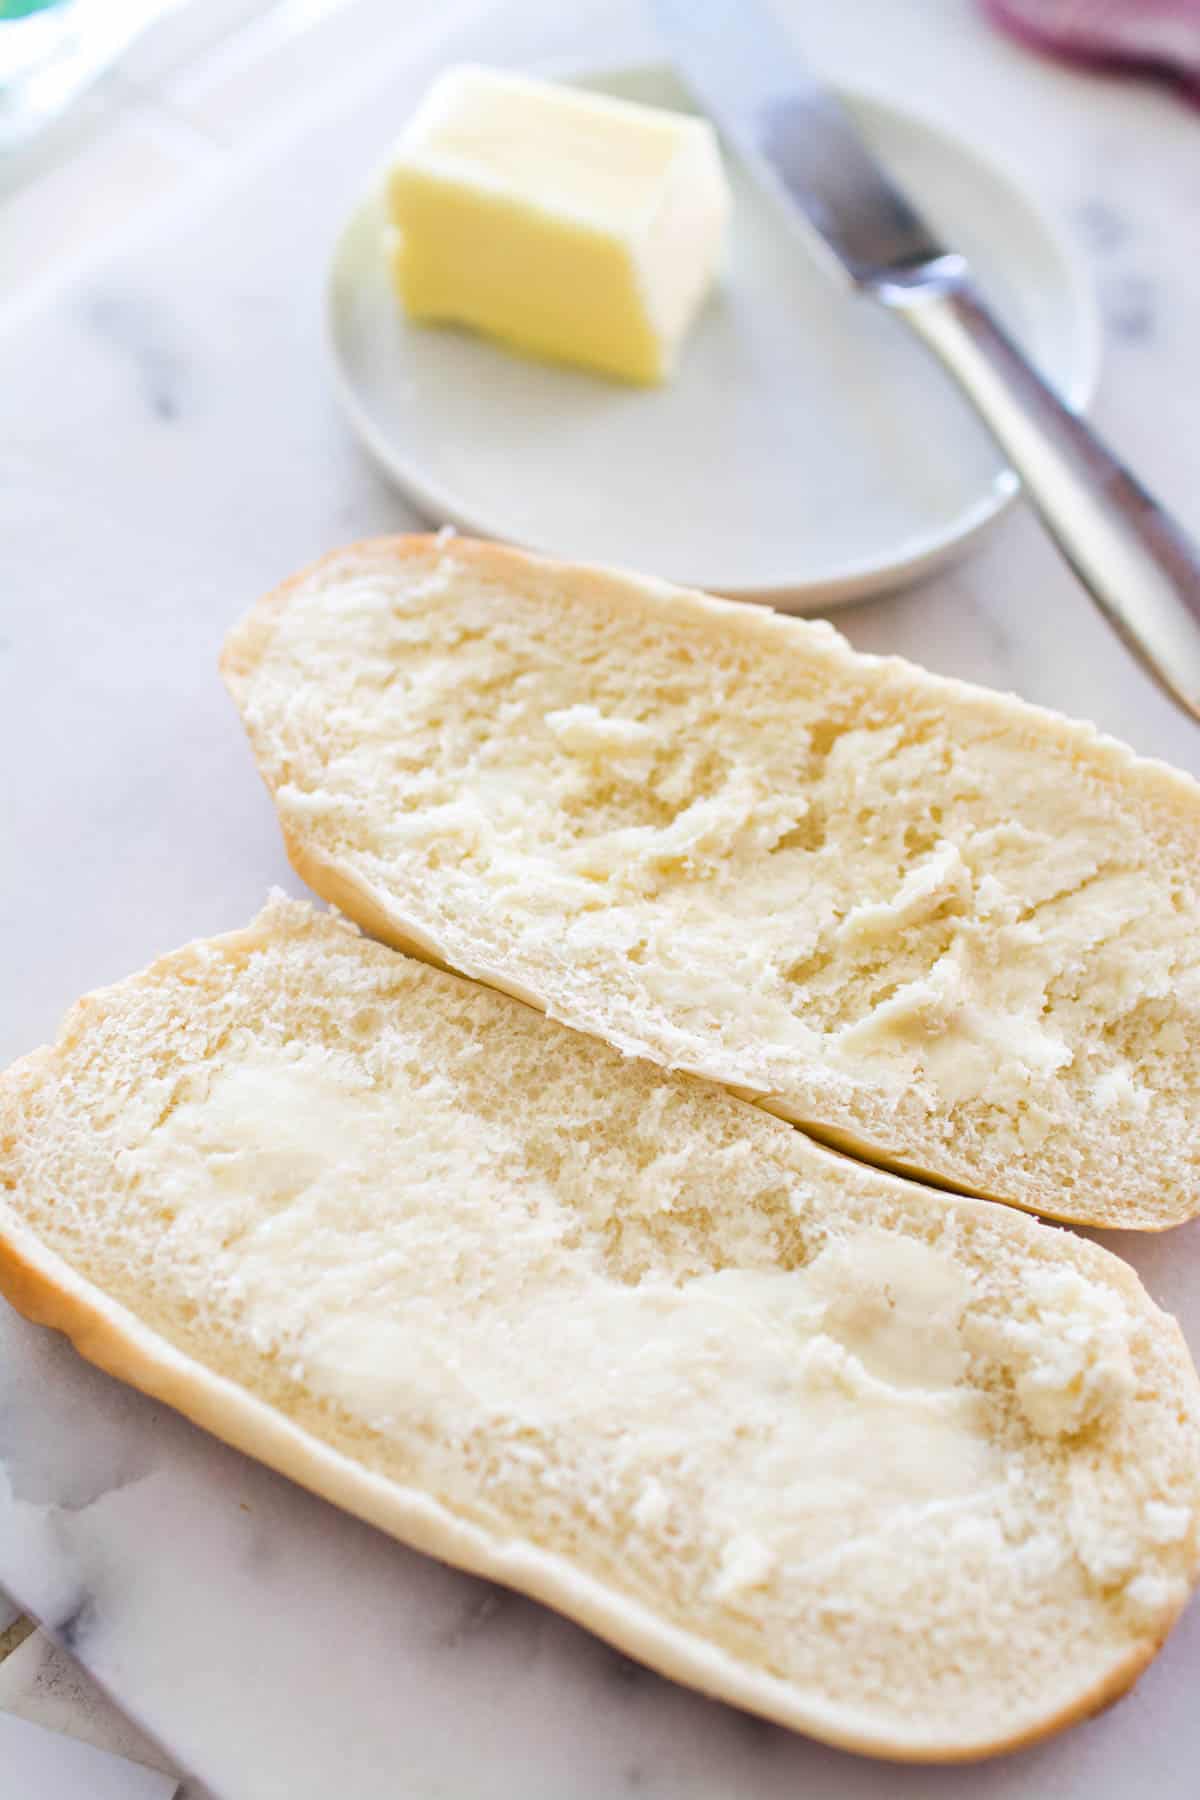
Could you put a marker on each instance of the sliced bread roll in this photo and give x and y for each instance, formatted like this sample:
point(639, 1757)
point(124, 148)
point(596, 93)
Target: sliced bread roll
point(953, 933)
point(913, 1473)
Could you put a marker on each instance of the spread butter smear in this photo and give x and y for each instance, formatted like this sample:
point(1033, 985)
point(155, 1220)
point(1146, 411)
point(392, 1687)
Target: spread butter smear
point(952, 932)
point(914, 1473)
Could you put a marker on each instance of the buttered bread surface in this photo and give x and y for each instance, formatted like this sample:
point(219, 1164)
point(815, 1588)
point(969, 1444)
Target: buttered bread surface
point(949, 931)
point(914, 1473)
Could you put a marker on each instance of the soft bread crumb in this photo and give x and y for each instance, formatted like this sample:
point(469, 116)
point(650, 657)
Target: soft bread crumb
point(910, 1472)
point(953, 932)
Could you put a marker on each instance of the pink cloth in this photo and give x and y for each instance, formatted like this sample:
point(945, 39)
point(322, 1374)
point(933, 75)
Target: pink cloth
point(1149, 37)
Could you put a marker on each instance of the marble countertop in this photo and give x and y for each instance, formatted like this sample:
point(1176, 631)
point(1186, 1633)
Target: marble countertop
point(173, 448)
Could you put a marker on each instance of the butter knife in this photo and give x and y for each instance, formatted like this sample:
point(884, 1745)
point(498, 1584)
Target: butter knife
point(1139, 565)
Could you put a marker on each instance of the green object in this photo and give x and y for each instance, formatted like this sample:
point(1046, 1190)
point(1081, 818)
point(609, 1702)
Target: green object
point(21, 9)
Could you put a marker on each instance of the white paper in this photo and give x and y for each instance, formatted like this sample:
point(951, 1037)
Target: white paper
point(42, 1763)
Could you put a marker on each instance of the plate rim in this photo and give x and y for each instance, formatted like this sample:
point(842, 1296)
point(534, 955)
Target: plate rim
point(920, 554)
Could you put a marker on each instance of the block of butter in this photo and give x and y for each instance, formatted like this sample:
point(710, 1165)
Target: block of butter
point(569, 225)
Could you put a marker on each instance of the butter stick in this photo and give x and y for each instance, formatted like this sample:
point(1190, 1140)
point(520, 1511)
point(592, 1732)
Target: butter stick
point(568, 225)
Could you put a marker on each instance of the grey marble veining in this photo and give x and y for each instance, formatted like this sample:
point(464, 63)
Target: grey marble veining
point(187, 455)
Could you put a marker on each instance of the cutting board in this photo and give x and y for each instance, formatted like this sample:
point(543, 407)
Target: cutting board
point(171, 448)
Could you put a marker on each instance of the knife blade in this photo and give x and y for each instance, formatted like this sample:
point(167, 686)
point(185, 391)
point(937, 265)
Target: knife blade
point(797, 134)
point(1140, 567)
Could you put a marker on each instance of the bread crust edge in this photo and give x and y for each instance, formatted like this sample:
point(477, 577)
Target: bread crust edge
point(46, 1291)
point(248, 640)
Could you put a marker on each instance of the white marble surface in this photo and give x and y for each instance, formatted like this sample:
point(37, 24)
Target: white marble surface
point(46, 1765)
point(171, 447)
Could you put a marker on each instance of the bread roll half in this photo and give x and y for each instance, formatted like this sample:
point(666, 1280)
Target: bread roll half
point(910, 1472)
point(953, 933)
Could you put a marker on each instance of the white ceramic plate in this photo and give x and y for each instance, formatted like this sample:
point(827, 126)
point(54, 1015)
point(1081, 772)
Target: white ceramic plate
point(808, 450)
